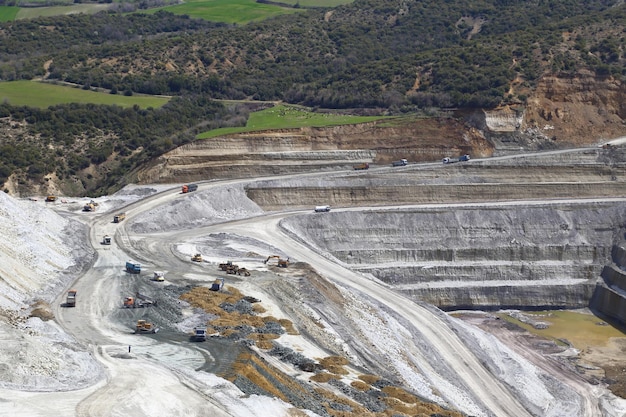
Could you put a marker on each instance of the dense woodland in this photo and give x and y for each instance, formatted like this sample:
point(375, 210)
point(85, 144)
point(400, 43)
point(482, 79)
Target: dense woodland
point(398, 56)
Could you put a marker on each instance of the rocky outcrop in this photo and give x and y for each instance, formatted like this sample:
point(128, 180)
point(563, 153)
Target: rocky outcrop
point(575, 108)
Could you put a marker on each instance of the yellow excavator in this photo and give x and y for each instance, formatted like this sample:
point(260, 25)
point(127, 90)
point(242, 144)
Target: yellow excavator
point(283, 263)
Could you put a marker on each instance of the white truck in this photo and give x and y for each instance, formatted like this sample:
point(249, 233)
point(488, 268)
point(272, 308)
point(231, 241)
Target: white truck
point(199, 333)
point(399, 163)
point(322, 209)
point(461, 158)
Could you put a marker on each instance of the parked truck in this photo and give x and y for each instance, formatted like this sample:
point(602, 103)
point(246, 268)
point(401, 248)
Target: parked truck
point(217, 285)
point(70, 301)
point(144, 326)
point(187, 188)
point(399, 163)
point(51, 198)
point(199, 333)
point(358, 167)
point(106, 240)
point(119, 217)
point(158, 276)
point(133, 268)
point(461, 158)
point(321, 209)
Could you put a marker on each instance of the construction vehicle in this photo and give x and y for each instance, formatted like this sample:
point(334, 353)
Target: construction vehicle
point(283, 263)
point(358, 167)
point(217, 285)
point(106, 240)
point(119, 217)
point(133, 268)
point(158, 276)
point(321, 209)
point(461, 158)
point(243, 271)
point(199, 333)
point(51, 198)
point(229, 267)
point(187, 188)
point(197, 257)
point(91, 206)
point(70, 301)
point(144, 326)
point(399, 163)
point(139, 301)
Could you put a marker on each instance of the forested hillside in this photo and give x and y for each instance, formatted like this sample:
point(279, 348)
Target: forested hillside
point(400, 56)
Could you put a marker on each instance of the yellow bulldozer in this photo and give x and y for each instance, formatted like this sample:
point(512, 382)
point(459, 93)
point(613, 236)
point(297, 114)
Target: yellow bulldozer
point(197, 257)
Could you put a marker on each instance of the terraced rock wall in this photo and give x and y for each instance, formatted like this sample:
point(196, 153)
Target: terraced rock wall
point(535, 257)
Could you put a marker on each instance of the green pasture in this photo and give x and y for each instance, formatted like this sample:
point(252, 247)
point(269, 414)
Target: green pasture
point(288, 117)
point(580, 329)
point(316, 3)
point(43, 95)
point(8, 13)
point(227, 11)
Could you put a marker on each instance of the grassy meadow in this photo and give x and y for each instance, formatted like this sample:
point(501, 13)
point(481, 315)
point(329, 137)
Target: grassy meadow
point(227, 11)
point(288, 117)
point(43, 95)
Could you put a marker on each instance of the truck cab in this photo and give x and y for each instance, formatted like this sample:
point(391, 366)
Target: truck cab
point(133, 268)
point(199, 333)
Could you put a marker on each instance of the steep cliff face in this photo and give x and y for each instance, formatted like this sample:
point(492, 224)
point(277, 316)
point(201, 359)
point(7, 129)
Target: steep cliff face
point(577, 110)
point(609, 297)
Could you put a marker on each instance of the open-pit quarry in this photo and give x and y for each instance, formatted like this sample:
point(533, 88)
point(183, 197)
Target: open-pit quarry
point(516, 231)
point(396, 302)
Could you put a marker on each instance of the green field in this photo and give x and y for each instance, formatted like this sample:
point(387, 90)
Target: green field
point(288, 117)
point(42, 95)
point(8, 13)
point(316, 3)
point(227, 11)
